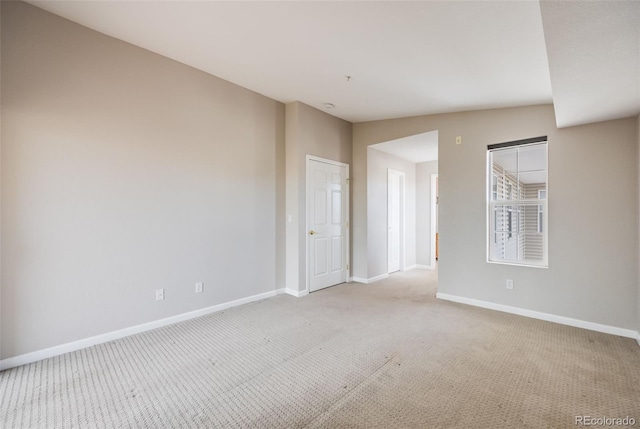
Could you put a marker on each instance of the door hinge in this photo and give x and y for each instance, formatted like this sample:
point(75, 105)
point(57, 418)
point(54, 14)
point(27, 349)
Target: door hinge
point(348, 180)
point(347, 267)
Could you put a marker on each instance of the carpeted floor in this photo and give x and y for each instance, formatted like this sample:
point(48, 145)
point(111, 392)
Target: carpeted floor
point(385, 355)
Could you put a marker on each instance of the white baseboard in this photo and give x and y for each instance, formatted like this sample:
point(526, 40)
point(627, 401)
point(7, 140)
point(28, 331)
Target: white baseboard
point(296, 293)
point(376, 278)
point(114, 335)
point(425, 267)
point(410, 267)
point(369, 280)
point(542, 316)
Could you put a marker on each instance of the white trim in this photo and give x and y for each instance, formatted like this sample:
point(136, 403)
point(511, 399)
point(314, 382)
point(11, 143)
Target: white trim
point(425, 267)
point(541, 316)
point(307, 204)
point(370, 280)
point(434, 215)
point(522, 263)
point(296, 293)
point(420, 267)
point(376, 278)
point(114, 335)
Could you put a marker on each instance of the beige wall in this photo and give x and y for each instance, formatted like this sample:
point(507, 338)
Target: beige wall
point(1, 323)
point(378, 164)
point(592, 168)
point(124, 172)
point(424, 170)
point(309, 131)
point(638, 297)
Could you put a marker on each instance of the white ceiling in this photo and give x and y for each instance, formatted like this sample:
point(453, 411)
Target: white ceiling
point(405, 58)
point(417, 148)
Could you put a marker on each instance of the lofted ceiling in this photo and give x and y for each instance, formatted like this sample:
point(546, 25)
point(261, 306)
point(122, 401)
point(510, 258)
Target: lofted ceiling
point(594, 57)
point(403, 58)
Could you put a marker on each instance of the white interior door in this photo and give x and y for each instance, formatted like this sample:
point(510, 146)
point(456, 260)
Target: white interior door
point(393, 220)
point(327, 235)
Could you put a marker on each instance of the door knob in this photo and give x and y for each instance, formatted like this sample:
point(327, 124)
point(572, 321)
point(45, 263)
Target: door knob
point(312, 232)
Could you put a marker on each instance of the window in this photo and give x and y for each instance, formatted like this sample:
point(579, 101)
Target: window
point(494, 196)
point(494, 186)
point(517, 202)
point(542, 195)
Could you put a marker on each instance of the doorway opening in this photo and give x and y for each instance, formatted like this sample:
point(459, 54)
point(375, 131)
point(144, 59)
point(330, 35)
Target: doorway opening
point(402, 238)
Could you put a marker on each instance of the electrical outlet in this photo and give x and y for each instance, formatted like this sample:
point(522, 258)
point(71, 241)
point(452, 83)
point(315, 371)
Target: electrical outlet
point(159, 294)
point(458, 139)
point(199, 287)
point(509, 284)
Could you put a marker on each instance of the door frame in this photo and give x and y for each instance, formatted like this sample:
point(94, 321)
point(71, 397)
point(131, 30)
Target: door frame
point(310, 158)
point(402, 203)
point(434, 217)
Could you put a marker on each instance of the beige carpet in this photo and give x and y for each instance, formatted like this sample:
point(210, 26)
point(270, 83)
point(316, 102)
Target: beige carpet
point(386, 355)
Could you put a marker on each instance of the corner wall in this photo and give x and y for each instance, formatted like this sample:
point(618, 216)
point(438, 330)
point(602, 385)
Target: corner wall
point(593, 259)
point(124, 172)
point(638, 292)
point(1, 331)
point(309, 131)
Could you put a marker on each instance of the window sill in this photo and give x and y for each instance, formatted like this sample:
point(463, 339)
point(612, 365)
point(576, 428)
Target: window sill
point(524, 263)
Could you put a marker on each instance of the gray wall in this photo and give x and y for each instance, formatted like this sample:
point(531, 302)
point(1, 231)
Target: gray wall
point(593, 262)
point(377, 185)
point(124, 172)
point(309, 131)
point(424, 170)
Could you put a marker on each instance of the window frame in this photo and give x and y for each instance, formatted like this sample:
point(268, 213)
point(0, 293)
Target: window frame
point(541, 208)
